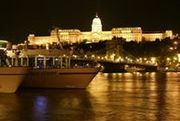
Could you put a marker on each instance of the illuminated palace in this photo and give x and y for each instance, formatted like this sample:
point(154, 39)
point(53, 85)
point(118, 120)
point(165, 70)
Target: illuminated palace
point(96, 34)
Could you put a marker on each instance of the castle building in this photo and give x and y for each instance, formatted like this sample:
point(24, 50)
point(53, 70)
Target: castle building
point(97, 34)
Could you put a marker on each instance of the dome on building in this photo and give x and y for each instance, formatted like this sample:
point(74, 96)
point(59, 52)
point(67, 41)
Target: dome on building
point(96, 24)
point(96, 21)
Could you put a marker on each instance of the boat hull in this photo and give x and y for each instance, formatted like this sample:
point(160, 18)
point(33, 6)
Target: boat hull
point(11, 78)
point(60, 78)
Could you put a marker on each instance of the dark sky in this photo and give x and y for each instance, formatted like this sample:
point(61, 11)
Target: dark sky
point(22, 17)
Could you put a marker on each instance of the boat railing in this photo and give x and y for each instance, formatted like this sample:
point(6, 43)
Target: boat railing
point(47, 62)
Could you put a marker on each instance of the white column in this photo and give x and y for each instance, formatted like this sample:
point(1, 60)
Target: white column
point(66, 62)
point(12, 61)
point(35, 62)
point(27, 62)
point(53, 61)
point(21, 61)
point(44, 62)
point(60, 62)
point(69, 62)
point(16, 61)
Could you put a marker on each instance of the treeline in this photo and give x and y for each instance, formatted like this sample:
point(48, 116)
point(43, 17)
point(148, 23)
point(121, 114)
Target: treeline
point(151, 48)
point(94, 48)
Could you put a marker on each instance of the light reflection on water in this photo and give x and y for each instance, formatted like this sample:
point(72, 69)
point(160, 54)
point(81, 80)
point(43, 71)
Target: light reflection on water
point(110, 97)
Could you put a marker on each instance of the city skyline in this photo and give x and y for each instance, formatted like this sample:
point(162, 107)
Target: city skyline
point(21, 18)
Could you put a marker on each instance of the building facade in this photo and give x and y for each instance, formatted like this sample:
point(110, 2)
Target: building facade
point(97, 34)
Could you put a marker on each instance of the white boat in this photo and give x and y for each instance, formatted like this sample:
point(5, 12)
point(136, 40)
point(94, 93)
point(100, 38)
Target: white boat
point(133, 69)
point(53, 69)
point(57, 72)
point(11, 78)
point(60, 78)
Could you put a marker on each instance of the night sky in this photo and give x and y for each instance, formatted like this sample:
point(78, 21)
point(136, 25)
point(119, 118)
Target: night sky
point(22, 17)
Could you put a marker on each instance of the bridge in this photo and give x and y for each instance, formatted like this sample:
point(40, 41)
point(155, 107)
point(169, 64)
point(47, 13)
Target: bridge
point(114, 58)
point(117, 65)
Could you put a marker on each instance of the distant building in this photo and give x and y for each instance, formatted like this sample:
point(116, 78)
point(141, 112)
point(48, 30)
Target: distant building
point(96, 34)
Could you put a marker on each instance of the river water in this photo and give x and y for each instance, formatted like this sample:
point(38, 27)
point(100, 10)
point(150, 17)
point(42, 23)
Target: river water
point(109, 97)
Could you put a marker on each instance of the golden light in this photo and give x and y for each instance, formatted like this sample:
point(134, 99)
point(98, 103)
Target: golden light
point(93, 56)
point(137, 60)
point(175, 58)
point(175, 42)
point(117, 60)
point(105, 57)
point(122, 59)
point(153, 60)
point(171, 48)
point(178, 55)
point(168, 59)
point(112, 56)
point(75, 56)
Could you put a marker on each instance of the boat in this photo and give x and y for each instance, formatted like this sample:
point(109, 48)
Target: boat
point(53, 68)
point(58, 72)
point(49, 71)
point(133, 69)
point(10, 77)
point(60, 78)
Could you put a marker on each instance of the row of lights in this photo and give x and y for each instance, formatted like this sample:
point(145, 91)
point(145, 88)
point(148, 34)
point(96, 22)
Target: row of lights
point(151, 60)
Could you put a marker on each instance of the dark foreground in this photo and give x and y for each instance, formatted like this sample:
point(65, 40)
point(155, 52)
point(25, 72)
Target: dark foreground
point(110, 97)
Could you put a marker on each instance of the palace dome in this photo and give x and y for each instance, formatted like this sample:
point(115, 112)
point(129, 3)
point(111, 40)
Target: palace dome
point(96, 21)
point(96, 24)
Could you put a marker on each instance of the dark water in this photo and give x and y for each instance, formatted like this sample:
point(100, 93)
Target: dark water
point(110, 97)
